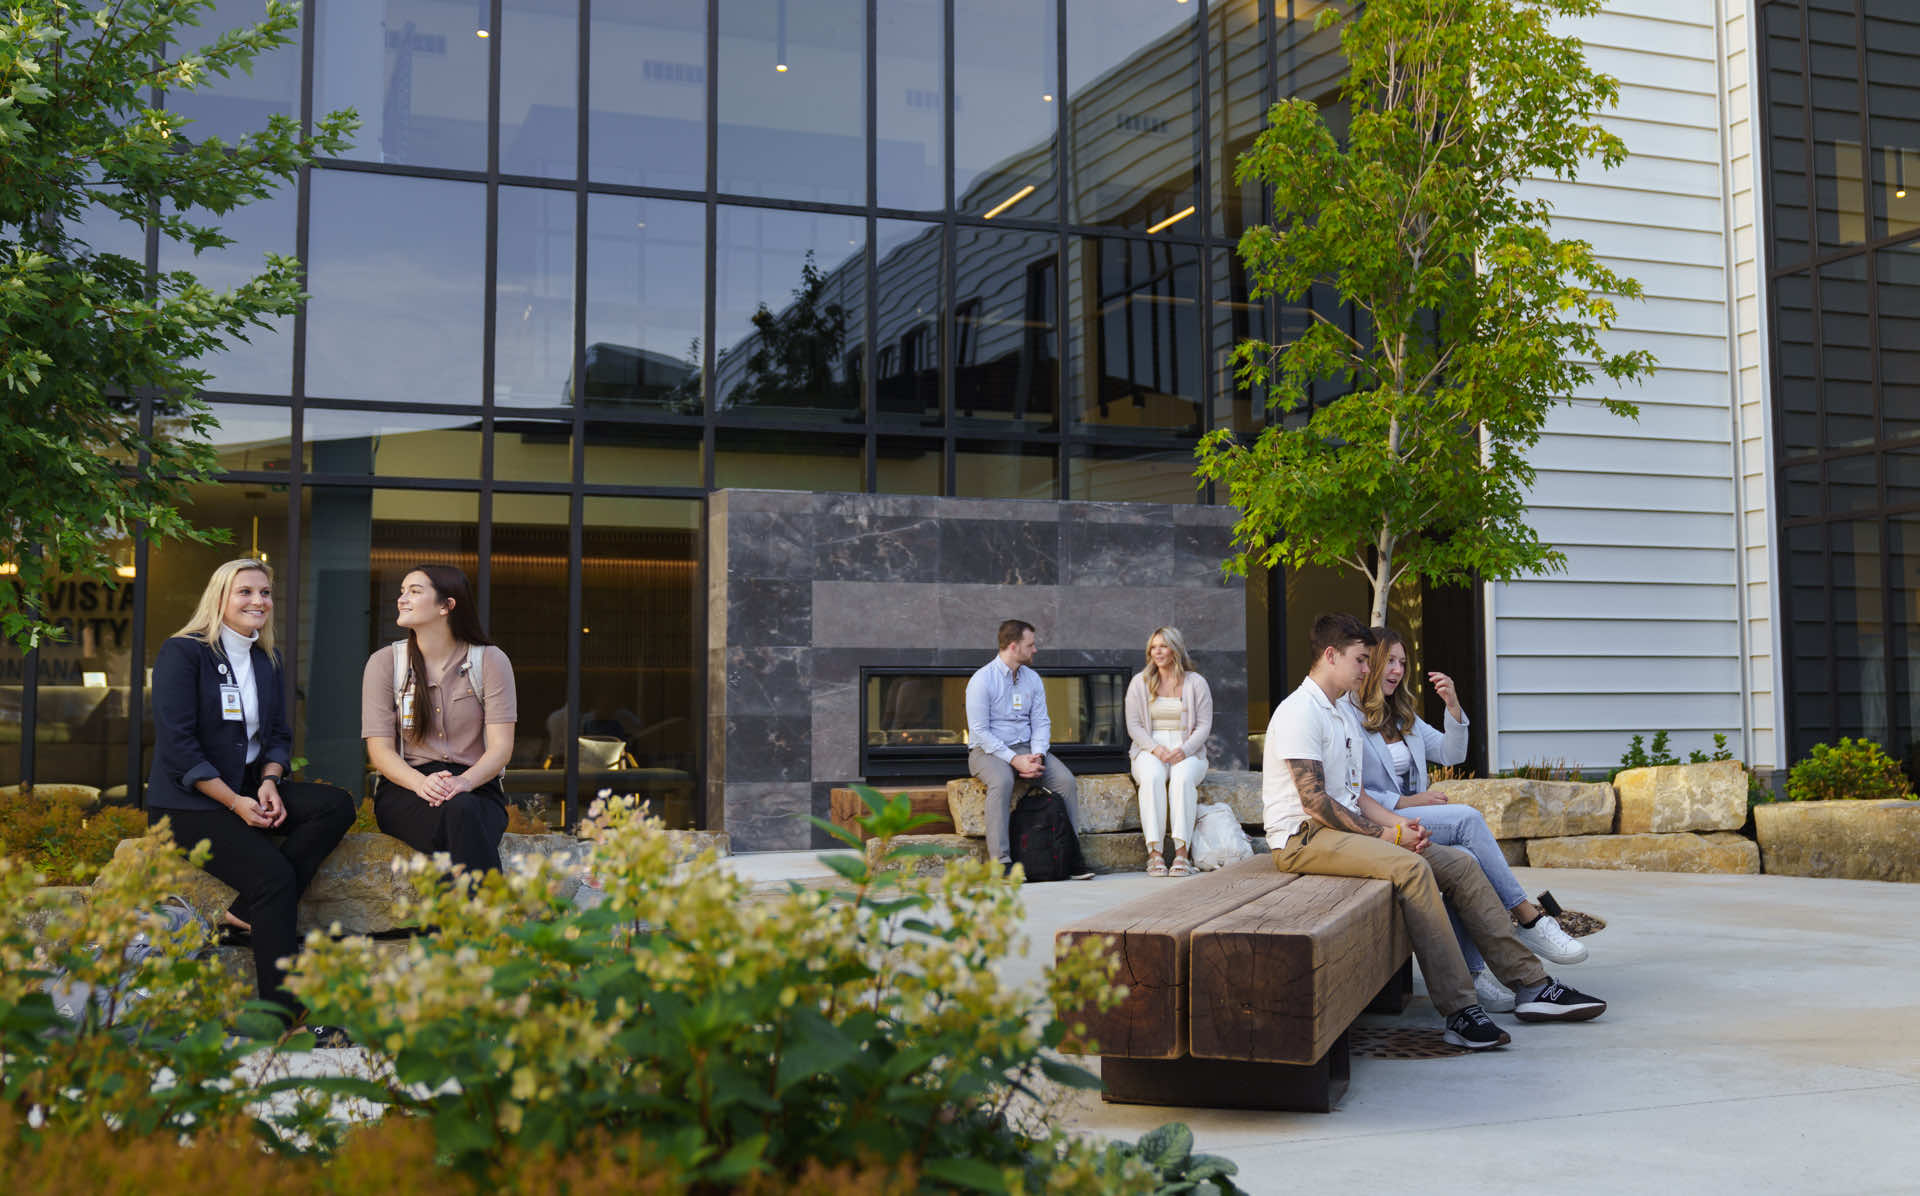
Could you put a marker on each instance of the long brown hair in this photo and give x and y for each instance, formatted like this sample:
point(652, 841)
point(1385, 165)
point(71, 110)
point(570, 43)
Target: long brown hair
point(463, 621)
point(1378, 710)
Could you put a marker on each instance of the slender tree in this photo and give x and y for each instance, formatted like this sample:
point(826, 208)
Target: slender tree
point(1475, 320)
point(86, 334)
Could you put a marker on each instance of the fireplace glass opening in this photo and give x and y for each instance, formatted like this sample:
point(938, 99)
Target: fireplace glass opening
point(914, 721)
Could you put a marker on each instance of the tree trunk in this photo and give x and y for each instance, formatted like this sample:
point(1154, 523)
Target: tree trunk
point(1382, 578)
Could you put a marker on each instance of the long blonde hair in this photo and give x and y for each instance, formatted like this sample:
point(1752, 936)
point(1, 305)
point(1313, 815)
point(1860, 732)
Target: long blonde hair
point(1171, 636)
point(207, 617)
point(1378, 711)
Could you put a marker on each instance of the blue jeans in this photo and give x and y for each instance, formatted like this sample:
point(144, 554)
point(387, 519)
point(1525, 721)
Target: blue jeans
point(1464, 827)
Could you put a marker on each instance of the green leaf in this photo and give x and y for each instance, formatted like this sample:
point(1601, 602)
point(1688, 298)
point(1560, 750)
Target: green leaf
point(1168, 1146)
point(971, 1174)
point(837, 831)
point(852, 868)
point(813, 1045)
point(1071, 1076)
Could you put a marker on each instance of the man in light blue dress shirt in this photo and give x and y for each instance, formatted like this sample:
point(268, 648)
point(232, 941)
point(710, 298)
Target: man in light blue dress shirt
point(1008, 733)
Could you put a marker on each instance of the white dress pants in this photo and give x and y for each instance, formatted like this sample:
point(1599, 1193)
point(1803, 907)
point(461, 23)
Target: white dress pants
point(1167, 795)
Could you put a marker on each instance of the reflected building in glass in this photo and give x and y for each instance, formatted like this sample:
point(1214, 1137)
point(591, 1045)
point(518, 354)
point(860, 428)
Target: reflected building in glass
point(591, 261)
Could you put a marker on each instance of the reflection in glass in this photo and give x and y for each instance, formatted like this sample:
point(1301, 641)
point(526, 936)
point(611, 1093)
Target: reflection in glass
point(911, 151)
point(1897, 292)
point(533, 319)
point(790, 306)
point(248, 438)
point(1810, 675)
point(415, 71)
point(1799, 400)
point(1133, 68)
point(1839, 165)
point(647, 93)
point(904, 466)
point(792, 99)
point(389, 445)
point(1846, 365)
point(532, 450)
point(1237, 107)
point(788, 461)
point(1852, 484)
point(1006, 104)
point(239, 104)
point(1859, 634)
point(646, 273)
point(620, 453)
point(1786, 123)
point(1102, 474)
point(260, 360)
point(1893, 65)
point(396, 269)
point(908, 321)
point(1006, 347)
point(1903, 551)
point(539, 86)
point(1000, 469)
point(1134, 357)
point(1903, 476)
point(1236, 318)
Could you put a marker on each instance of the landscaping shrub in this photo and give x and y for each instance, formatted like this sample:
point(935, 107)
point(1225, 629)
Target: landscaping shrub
point(1852, 768)
point(59, 838)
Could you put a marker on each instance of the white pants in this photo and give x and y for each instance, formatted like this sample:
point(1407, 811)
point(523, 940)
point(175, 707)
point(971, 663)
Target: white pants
point(1167, 791)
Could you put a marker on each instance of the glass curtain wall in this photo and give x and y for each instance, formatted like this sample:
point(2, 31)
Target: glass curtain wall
point(1841, 106)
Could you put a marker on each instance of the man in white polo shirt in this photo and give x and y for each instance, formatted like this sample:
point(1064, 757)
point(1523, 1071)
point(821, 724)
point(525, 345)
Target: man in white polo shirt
point(1320, 821)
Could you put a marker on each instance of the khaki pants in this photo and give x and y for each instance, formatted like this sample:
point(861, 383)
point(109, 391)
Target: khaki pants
point(1423, 884)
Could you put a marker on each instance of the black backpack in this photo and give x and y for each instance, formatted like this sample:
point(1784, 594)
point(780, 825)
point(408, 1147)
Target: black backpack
point(1040, 837)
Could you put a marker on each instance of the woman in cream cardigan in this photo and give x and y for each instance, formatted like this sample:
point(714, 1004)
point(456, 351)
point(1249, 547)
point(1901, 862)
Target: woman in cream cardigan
point(1169, 716)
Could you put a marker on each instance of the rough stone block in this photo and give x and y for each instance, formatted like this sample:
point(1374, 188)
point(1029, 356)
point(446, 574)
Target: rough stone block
point(1515, 851)
point(1683, 797)
point(1241, 790)
point(963, 847)
point(1854, 840)
point(1108, 802)
point(1114, 851)
point(1524, 809)
point(1682, 851)
point(688, 844)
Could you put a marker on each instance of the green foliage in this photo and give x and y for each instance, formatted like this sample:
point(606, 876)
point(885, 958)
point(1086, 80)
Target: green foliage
point(1480, 320)
point(61, 839)
point(87, 332)
point(1638, 755)
point(1543, 770)
point(1852, 768)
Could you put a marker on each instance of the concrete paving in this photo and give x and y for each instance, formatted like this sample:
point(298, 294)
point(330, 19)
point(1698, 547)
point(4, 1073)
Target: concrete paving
point(1763, 1036)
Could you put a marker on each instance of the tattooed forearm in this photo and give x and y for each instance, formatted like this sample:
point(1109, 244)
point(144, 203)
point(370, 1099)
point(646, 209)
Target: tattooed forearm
point(1310, 780)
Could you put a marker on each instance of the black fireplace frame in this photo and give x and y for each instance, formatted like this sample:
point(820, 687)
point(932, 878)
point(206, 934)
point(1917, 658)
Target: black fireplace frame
point(946, 761)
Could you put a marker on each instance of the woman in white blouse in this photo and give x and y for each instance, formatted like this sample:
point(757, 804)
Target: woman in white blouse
point(1398, 746)
point(1169, 717)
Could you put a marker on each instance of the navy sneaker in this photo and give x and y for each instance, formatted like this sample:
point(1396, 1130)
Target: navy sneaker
point(1473, 1029)
point(1558, 1003)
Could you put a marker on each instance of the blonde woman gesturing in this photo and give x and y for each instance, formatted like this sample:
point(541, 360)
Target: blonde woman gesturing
point(1169, 717)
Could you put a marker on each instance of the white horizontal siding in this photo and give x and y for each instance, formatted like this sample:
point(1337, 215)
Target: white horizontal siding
point(1643, 631)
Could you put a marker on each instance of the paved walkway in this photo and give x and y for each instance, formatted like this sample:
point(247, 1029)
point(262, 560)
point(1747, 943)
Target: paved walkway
point(1763, 1036)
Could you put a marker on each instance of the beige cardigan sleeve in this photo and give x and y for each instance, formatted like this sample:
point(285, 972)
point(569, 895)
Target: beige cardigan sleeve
point(1199, 712)
point(1139, 730)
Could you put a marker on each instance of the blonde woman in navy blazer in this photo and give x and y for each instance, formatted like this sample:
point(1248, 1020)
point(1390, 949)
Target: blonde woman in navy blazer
point(221, 750)
point(1397, 746)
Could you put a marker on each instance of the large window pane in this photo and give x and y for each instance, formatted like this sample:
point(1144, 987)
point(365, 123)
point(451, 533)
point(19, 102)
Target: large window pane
point(1846, 365)
point(1903, 549)
point(533, 450)
point(908, 323)
point(1810, 670)
point(415, 71)
point(1237, 106)
point(910, 153)
point(259, 361)
point(1893, 101)
point(1898, 295)
point(239, 104)
point(391, 445)
point(1004, 469)
point(647, 93)
point(623, 453)
point(788, 461)
point(1006, 83)
point(1787, 132)
point(646, 275)
point(533, 322)
point(539, 87)
point(1006, 337)
point(1859, 632)
point(1134, 359)
point(1133, 71)
point(527, 606)
point(1839, 162)
point(248, 439)
point(397, 272)
point(1102, 474)
point(793, 99)
point(904, 466)
point(790, 313)
point(1236, 317)
point(1799, 401)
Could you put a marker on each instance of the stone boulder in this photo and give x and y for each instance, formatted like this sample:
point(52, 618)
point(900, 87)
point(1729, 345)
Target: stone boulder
point(1514, 851)
point(1525, 809)
point(1114, 851)
point(1683, 797)
point(1682, 851)
point(1853, 840)
point(1240, 790)
point(1108, 802)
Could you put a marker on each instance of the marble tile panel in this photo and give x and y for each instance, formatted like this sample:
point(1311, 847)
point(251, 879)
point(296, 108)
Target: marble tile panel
point(871, 547)
point(836, 729)
point(737, 501)
point(1212, 619)
point(764, 544)
point(972, 613)
point(1032, 510)
point(1119, 553)
point(1198, 551)
point(769, 816)
point(910, 506)
point(1217, 514)
point(769, 680)
point(822, 797)
point(768, 747)
point(1131, 513)
point(1000, 551)
point(765, 611)
point(874, 614)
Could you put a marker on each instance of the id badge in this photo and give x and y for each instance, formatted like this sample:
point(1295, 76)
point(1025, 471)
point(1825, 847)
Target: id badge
point(1019, 703)
point(406, 710)
point(230, 704)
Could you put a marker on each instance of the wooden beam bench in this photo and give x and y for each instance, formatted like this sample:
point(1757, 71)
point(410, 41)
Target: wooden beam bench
point(1241, 985)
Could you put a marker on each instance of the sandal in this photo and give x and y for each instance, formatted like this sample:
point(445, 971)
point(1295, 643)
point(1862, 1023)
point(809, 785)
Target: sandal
point(1156, 863)
point(1181, 865)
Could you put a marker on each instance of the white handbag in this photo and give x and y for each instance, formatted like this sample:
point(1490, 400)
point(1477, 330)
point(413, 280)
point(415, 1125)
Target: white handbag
point(1217, 837)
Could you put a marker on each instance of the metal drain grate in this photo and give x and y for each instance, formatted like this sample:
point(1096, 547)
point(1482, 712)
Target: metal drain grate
point(1399, 1042)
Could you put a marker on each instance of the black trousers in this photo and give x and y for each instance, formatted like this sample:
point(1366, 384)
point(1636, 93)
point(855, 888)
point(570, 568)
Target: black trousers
point(270, 875)
point(467, 827)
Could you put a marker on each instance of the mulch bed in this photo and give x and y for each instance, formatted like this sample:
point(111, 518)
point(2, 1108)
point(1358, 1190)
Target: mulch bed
point(1577, 924)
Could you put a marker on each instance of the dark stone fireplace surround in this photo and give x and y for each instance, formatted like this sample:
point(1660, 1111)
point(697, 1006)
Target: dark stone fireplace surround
point(806, 588)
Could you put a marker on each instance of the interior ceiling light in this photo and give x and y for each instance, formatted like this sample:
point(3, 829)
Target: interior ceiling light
point(1176, 218)
point(1008, 202)
point(482, 23)
point(780, 34)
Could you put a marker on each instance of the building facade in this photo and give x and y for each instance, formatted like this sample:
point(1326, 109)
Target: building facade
point(593, 261)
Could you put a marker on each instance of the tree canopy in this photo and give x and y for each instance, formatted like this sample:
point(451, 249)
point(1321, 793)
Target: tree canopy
point(1475, 320)
point(86, 334)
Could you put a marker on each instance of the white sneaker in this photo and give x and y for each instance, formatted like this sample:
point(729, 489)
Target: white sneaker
point(1545, 939)
point(1495, 997)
